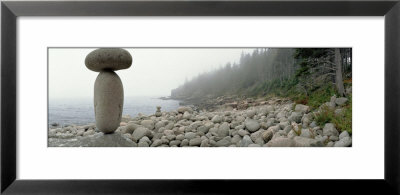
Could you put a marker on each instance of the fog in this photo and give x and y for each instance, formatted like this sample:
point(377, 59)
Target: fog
point(154, 72)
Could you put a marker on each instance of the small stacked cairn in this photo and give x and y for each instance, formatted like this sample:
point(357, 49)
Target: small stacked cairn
point(108, 89)
point(158, 112)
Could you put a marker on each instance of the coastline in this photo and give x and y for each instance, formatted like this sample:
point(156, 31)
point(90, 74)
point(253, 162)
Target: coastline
point(218, 122)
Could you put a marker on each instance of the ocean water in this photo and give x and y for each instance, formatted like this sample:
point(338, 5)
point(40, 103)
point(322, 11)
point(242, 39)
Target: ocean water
point(81, 111)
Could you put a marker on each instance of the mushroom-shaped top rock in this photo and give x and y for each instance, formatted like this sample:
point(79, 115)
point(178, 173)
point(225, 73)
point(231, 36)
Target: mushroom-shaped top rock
point(108, 59)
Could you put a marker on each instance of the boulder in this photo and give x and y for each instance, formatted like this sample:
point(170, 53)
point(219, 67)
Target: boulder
point(307, 142)
point(267, 135)
point(130, 127)
point(223, 130)
point(143, 144)
point(341, 101)
point(265, 110)
point(149, 124)
point(184, 143)
point(96, 140)
point(252, 125)
point(108, 101)
point(195, 142)
point(156, 143)
point(334, 138)
point(223, 143)
point(139, 133)
point(184, 109)
point(187, 115)
point(216, 119)
point(242, 132)
point(258, 134)
point(329, 130)
point(246, 141)
point(307, 133)
point(330, 144)
point(344, 134)
point(344, 142)
point(302, 108)
point(180, 137)
point(108, 59)
point(174, 143)
point(190, 135)
point(240, 119)
point(251, 113)
point(281, 142)
point(203, 129)
point(295, 117)
point(204, 143)
point(236, 139)
point(160, 124)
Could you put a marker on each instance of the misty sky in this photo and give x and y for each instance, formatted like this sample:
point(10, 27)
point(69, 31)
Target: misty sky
point(154, 72)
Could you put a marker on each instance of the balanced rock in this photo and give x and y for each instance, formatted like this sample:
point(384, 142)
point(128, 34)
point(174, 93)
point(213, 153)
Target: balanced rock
point(108, 101)
point(158, 112)
point(108, 89)
point(108, 59)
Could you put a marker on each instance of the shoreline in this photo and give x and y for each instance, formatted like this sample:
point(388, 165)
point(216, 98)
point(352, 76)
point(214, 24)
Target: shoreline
point(229, 122)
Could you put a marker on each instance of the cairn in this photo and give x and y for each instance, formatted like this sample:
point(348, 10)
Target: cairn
point(158, 112)
point(108, 89)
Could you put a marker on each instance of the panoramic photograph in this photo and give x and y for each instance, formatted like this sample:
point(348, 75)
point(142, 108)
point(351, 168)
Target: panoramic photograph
point(199, 97)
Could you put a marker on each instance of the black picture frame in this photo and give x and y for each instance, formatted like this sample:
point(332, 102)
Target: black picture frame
point(10, 10)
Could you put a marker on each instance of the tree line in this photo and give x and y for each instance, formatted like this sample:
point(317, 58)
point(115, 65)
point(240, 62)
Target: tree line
point(266, 70)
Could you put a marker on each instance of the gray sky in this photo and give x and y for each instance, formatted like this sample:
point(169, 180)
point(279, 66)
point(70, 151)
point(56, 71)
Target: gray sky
point(154, 72)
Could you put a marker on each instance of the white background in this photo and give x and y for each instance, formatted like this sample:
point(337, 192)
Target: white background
point(364, 160)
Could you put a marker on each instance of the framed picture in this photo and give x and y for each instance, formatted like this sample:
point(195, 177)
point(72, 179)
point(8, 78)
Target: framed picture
point(286, 90)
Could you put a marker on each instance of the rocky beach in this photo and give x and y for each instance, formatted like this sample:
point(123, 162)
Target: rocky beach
point(227, 122)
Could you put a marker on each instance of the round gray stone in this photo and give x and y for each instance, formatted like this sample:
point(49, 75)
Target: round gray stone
point(108, 59)
point(252, 125)
point(195, 142)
